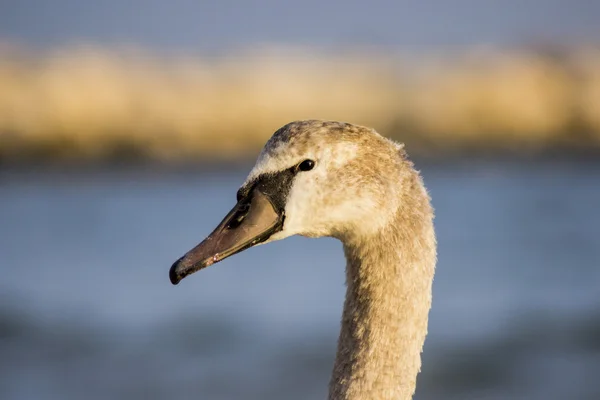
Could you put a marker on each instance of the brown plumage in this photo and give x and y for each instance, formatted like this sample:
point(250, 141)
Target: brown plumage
point(361, 189)
point(384, 323)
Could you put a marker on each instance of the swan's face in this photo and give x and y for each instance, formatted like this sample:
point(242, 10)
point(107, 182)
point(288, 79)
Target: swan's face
point(347, 188)
point(313, 178)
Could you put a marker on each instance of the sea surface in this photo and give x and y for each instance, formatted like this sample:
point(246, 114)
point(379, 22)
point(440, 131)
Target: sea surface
point(87, 310)
point(209, 26)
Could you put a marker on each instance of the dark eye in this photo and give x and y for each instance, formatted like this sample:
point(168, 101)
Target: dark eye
point(306, 165)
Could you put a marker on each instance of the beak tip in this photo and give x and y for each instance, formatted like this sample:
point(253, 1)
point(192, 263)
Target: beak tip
point(174, 275)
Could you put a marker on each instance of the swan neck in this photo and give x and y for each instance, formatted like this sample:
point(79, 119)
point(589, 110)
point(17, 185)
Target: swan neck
point(385, 314)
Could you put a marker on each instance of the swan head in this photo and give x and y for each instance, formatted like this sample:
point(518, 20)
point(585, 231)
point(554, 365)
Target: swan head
point(312, 178)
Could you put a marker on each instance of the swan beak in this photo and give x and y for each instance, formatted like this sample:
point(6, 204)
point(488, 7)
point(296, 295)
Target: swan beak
point(253, 220)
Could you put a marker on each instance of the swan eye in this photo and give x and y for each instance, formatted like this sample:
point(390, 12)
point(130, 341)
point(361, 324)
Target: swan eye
point(306, 165)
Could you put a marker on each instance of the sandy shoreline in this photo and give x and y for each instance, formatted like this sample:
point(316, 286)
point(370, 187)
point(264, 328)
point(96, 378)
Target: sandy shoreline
point(96, 104)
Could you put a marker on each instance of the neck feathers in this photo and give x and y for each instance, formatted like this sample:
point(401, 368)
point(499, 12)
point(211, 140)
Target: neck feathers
point(384, 323)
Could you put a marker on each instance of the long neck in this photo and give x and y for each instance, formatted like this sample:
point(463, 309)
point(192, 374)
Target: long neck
point(388, 298)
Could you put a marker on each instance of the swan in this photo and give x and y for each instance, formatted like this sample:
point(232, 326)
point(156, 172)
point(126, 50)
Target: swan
point(326, 178)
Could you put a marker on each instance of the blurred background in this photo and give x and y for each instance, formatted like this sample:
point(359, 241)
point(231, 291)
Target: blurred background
point(127, 127)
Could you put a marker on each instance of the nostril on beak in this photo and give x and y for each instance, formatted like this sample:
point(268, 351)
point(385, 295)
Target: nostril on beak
point(239, 216)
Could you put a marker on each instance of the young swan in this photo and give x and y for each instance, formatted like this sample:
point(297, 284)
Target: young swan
point(322, 178)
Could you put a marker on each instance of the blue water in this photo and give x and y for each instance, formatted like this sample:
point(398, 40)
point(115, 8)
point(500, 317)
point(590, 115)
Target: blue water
point(87, 310)
point(208, 26)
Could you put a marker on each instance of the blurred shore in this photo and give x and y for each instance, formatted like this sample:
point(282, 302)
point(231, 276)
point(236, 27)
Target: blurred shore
point(92, 104)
